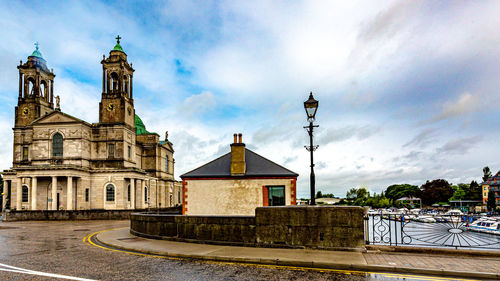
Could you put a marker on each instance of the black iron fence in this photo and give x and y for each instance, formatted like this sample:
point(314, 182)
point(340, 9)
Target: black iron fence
point(457, 231)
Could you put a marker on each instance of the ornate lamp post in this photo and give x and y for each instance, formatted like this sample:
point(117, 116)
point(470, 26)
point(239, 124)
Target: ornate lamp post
point(311, 105)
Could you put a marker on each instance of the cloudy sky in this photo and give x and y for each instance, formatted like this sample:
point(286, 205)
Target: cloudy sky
point(409, 91)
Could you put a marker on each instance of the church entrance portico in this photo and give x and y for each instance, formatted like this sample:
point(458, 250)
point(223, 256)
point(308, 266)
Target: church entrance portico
point(37, 192)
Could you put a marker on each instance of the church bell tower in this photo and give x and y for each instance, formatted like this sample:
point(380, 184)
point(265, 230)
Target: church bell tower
point(36, 89)
point(117, 103)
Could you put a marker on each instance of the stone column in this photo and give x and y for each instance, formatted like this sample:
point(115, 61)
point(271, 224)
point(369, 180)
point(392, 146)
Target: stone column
point(103, 80)
point(140, 204)
point(146, 191)
point(131, 87)
point(19, 194)
point(20, 85)
point(69, 195)
point(33, 193)
point(54, 194)
point(132, 193)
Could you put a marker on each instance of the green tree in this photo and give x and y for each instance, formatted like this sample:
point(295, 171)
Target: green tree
point(491, 204)
point(460, 191)
point(351, 194)
point(319, 194)
point(486, 173)
point(357, 197)
point(397, 191)
point(435, 191)
point(475, 192)
point(328, 195)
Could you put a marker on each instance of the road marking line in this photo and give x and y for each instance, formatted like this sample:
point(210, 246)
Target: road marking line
point(88, 241)
point(14, 269)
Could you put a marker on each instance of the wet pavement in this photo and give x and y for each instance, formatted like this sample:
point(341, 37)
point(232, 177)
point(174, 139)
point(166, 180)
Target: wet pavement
point(58, 248)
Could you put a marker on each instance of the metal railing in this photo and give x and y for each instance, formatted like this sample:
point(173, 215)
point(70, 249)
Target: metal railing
point(454, 231)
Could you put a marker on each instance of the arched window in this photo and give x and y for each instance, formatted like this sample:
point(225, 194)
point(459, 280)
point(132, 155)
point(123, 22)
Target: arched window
point(57, 145)
point(128, 192)
point(43, 88)
point(125, 84)
point(25, 194)
point(114, 81)
point(31, 86)
point(110, 192)
point(145, 194)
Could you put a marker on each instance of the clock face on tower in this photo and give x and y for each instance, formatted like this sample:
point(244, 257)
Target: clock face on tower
point(110, 107)
point(26, 111)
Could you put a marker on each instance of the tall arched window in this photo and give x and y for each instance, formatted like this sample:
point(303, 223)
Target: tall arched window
point(43, 89)
point(145, 194)
point(25, 194)
point(114, 81)
point(57, 145)
point(110, 192)
point(31, 86)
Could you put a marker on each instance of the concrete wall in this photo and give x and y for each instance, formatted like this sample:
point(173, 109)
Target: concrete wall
point(324, 227)
point(230, 196)
point(327, 227)
point(207, 229)
point(75, 215)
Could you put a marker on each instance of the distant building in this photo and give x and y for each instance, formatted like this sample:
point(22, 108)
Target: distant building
point(237, 183)
point(492, 183)
point(327, 201)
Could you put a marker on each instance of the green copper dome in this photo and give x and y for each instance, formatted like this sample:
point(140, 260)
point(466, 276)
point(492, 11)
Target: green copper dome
point(140, 129)
point(118, 47)
point(36, 52)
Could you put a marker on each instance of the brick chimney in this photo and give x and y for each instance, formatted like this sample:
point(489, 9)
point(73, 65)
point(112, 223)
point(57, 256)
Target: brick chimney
point(238, 165)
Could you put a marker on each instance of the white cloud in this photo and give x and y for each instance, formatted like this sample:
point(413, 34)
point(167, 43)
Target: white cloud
point(378, 69)
point(466, 103)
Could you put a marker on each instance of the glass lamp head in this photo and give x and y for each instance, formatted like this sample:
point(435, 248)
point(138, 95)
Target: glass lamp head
point(311, 106)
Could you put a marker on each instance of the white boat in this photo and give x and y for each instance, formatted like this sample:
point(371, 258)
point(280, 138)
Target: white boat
point(485, 226)
point(424, 218)
point(453, 216)
point(454, 213)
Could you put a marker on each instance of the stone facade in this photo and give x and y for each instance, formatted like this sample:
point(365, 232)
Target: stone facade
point(232, 196)
point(63, 163)
point(323, 227)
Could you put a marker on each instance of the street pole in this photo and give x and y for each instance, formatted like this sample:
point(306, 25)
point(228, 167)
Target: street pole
point(311, 105)
point(312, 177)
point(311, 149)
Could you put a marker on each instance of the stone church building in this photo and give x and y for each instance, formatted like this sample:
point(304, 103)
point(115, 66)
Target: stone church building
point(63, 163)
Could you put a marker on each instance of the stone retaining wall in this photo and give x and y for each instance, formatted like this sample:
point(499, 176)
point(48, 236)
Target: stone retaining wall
point(324, 227)
point(204, 229)
point(95, 214)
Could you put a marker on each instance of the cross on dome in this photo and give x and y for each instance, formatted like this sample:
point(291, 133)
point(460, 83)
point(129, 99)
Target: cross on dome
point(36, 52)
point(118, 39)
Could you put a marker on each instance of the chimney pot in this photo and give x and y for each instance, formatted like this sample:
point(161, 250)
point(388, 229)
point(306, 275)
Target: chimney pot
point(235, 138)
point(240, 136)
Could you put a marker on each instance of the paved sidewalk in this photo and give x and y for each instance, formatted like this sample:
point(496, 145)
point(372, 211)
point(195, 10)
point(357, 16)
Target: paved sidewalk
point(414, 263)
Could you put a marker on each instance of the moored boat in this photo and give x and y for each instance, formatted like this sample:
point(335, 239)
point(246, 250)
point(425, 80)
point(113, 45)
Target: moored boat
point(485, 226)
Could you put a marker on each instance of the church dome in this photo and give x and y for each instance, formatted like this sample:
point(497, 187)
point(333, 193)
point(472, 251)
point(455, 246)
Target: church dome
point(36, 53)
point(118, 47)
point(140, 128)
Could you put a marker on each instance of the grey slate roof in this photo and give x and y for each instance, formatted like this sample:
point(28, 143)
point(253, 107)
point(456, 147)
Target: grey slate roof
point(256, 165)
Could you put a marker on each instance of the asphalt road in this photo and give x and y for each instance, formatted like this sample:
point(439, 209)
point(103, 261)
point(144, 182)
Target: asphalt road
point(38, 250)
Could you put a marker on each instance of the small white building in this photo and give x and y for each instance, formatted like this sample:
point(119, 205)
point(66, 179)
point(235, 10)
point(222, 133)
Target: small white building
point(237, 183)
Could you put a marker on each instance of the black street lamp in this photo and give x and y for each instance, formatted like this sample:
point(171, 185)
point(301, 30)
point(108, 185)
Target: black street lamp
point(311, 106)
